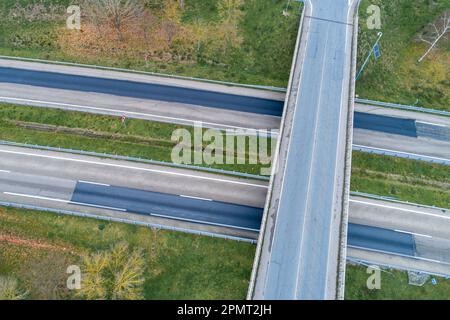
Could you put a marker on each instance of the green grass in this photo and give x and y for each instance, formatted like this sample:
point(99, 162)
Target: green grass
point(179, 265)
point(396, 76)
point(404, 179)
point(265, 32)
point(136, 138)
point(394, 285)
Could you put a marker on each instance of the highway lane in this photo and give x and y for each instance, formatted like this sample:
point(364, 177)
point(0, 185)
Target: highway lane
point(375, 238)
point(202, 201)
point(390, 125)
point(428, 227)
point(143, 77)
point(185, 208)
point(402, 134)
point(123, 199)
point(134, 89)
point(141, 192)
point(396, 215)
point(152, 110)
point(373, 127)
point(404, 114)
point(48, 164)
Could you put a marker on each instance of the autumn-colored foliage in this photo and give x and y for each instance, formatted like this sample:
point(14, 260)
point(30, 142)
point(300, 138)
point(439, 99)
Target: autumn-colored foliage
point(129, 28)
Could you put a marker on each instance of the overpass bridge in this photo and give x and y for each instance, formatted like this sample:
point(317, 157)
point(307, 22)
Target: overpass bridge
point(302, 247)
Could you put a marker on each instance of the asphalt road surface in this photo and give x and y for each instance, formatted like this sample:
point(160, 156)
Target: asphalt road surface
point(194, 199)
point(140, 90)
point(299, 251)
point(169, 206)
point(103, 93)
point(375, 238)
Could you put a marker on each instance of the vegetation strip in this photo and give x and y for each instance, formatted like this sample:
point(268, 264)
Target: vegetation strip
point(402, 179)
point(175, 262)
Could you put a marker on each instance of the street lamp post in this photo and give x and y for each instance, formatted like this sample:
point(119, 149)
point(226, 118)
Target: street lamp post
point(368, 56)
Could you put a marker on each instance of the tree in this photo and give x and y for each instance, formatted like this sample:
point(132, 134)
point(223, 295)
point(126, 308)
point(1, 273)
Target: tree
point(94, 284)
point(116, 13)
point(230, 10)
point(438, 31)
point(114, 274)
point(9, 289)
point(227, 32)
point(128, 279)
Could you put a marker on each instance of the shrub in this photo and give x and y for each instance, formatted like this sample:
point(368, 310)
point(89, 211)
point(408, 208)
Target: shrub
point(9, 289)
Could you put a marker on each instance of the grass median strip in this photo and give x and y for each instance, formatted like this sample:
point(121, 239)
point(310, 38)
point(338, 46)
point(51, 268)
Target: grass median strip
point(102, 134)
point(404, 179)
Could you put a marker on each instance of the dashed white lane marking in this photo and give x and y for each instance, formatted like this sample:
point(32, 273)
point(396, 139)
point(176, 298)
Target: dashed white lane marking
point(5, 171)
point(433, 124)
point(95, 183)
point(198, 198)
point(135, 168)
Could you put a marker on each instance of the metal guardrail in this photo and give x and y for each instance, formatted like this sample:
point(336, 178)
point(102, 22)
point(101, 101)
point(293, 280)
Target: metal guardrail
point(403, 107)
point(134, 159)
point(227, 83)
point(149, 73)
point(396, 267)
point(128, 221)
point(393, 199)
point(400, 154)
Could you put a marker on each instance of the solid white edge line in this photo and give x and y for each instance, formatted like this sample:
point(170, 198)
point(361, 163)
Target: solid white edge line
point(431, 260)
point(400, 209)
point(433, 124)
point(197, 198)
point(134, 168)
point(124, 112)
point(413, 233)
point(397, 254)
point(34, 197)
point(402, 152)
point(61, 200)
point(202, 222)
point(96, 206)
point(95, 183)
